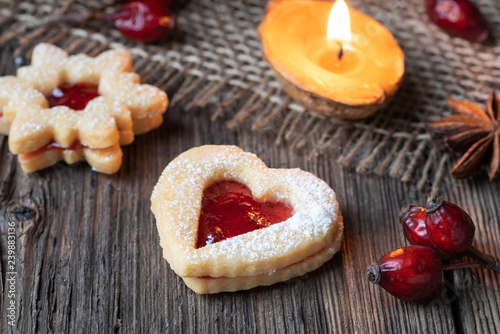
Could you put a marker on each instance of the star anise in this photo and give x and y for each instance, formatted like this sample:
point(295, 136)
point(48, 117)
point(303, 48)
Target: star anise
point(472, 131)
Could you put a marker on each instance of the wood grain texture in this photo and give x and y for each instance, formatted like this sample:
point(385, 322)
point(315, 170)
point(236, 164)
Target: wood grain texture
point(89, 260)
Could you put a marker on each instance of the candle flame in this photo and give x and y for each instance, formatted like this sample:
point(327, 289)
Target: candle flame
point(339, 23)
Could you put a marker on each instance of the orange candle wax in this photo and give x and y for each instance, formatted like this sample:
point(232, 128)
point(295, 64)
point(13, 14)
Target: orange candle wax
point(360, 68)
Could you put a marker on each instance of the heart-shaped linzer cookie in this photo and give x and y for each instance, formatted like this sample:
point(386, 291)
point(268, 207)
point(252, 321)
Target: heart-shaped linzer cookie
point(309, 235)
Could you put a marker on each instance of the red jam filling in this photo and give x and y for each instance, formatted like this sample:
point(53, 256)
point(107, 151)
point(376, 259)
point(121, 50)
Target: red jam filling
point(228, 209)
point(55, 146)
point(75, 96)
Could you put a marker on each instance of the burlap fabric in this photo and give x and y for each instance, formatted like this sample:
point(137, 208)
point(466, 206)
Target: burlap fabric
point(217, 62)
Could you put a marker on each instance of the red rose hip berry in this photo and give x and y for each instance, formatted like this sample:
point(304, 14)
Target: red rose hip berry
point(449, 228)
point(458, 17)
point(408, 273)
point(413, 220)
point(144, 21)
point(168, 3)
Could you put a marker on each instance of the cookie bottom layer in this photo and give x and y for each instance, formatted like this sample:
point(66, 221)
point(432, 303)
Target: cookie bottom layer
point(229, 284)
point(106, 160)
point(146, 124)
point(126, 136)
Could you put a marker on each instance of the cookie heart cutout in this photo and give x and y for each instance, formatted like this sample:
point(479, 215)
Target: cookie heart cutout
point(302, 242)
point(229, 209)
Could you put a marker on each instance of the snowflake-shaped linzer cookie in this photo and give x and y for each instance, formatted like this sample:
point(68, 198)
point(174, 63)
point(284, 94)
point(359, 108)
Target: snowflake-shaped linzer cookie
point(43, 135)
point(70, 108)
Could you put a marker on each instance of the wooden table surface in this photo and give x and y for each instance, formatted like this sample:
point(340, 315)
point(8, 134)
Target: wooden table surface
point(88, 257)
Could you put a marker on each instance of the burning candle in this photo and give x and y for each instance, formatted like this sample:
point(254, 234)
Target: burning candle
point(331, 59)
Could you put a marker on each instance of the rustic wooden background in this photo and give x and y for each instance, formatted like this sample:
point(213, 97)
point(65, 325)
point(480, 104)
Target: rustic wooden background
point(89, 260)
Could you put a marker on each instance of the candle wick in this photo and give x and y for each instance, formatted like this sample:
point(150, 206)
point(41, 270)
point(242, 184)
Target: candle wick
point(341, 52)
